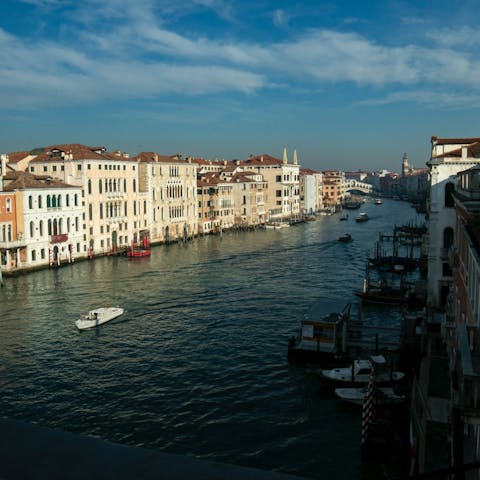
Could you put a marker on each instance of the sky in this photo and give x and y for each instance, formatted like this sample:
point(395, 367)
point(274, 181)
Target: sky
point(349, 84)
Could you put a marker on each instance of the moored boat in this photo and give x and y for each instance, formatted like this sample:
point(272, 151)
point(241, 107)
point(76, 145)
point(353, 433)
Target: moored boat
point(322, 337)
point(381, 395)
point(139, 251)
point(98, 316)
point(360, 372)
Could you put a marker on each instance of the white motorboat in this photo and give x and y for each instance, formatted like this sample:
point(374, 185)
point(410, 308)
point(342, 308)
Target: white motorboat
point(362, 217)
point(382, 395)
point(96, 317)
point(359, 373)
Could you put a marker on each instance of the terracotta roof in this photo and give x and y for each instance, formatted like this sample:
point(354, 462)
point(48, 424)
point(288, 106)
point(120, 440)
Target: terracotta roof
point(77, 151)
point(241, 177)
point(15, 157)
point(25, 180)
point(307, 171)
point(453, 141)
point(156, 157)
point(259, 160)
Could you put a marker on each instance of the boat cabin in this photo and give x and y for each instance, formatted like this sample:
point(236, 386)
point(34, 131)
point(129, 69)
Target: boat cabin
point(323, 332)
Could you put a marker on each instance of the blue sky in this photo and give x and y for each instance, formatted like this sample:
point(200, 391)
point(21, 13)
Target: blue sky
point(349, 84)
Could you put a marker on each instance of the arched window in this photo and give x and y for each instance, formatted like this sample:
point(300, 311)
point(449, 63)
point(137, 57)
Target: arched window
point(50, 227)
point(9, 205)
point(76, 200)
point(4, 233)
point(40, 226)
point(9, 239)
point(32, 229)
point(448, 237)
point(60, 226)
point(67, 198)
point(59, 201)
point(54, 201)
point(449, 189)
point(55, 227)
point(39, 201)
point(30, 202)
point(49, 202)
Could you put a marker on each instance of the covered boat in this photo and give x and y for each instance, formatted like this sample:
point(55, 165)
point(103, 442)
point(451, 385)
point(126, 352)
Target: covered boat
point(322, 337)
point(96, 317)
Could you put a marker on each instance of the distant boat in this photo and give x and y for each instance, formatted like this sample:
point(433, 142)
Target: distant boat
point(383, 293)
point(352, 204)
point(276, 225)
point(363, 217)
point(345, 238)
point(378, 201)
point(139, 251)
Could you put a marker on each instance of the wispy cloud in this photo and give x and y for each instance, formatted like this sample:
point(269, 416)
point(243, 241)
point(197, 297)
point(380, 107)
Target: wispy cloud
point(129, 51)
point(428, 98)
point(280, 18)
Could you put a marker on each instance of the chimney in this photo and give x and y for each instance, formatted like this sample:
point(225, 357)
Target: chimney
point(261, 159)
point(285, 159)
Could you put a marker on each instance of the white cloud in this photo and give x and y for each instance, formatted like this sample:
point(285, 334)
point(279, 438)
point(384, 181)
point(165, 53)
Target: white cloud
point(135, 55)
point(462, 36)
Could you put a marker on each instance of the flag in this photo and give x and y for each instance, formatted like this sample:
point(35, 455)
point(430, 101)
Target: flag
point(368, 406)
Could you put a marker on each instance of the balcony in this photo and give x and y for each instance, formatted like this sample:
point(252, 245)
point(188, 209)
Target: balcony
point(19, 243)
point(63, 237)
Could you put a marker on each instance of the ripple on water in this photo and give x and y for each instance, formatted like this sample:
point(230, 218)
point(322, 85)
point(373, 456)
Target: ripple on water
point(197, 364)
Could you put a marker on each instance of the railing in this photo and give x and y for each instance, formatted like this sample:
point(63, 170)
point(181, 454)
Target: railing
point(13, 244)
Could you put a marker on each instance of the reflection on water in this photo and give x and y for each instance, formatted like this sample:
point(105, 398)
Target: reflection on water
point(197, 365)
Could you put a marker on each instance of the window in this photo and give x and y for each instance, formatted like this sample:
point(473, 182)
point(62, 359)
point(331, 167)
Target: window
point(449, 189)
point(89, 187)
point(79, 167)
point(34, 255)
point(448, 237)
point(39, 201)
point(30, 202)
point(32, 229)
point(8, 205)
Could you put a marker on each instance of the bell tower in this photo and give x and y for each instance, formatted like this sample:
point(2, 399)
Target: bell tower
point(405, 167)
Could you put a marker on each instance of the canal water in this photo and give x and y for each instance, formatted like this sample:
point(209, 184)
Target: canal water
point(197, 365)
